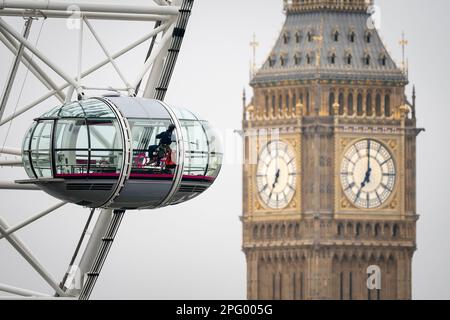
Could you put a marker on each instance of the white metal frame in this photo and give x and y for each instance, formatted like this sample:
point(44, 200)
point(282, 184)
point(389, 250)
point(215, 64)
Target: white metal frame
point(170, 17)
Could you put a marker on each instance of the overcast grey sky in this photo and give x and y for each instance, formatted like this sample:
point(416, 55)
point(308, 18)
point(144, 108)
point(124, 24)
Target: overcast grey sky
point(193, 251)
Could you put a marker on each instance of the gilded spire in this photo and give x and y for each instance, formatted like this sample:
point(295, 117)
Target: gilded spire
point(404, 43)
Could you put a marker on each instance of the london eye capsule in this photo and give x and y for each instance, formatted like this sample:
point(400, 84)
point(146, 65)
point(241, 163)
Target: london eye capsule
point(121, 153)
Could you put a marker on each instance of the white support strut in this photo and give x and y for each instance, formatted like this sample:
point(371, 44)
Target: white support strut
point(87, 6)
point(28, 62)
point(11, 163)
point(106, 52)
point(90, 15)
point(29, 257)
point(6, 185)
point(13, 72)
point(11, 151)
point(155, 54)
point(21, 292)
point(37, 53)
point(25, 223)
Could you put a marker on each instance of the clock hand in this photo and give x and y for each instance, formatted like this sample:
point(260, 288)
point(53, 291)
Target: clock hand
point(277, 177)
point(366, 178)
point(369, 169)
point(276, 159)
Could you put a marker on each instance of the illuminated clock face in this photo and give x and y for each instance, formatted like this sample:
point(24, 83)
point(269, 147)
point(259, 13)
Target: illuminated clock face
point(368, 174)
point(276, 175)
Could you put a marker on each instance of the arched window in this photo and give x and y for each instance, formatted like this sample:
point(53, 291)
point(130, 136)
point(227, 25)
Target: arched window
point(367, 60)
point(359, 107)
point(297, 230)
point(333, 58)
point(350, 229)
point(297, 37)
point(289, 233)
point(276, 232)
point(369, 109)
point(273, 104)
point(336, 36)
point(358, 230)
point(396, 231)
point(285, 38)
point(352, 36)
point(368, 37)
point(271, 62)
point(368, 230)
point(255, 232)
point(340, 230)
point(387, 106)
point(383, 60)
point(308, 105)
point(294, 103)
point(341, 104)
point(377, 230)
point(349, 59)
point(308, 59)
point(330, 103)
point(280, 104)
point(350, 111)
point(288, 100)
point(297, 59)
point(378, 110)
point(267, 106)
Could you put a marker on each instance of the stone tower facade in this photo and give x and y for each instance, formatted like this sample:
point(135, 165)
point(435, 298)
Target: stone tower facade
point(329, 180)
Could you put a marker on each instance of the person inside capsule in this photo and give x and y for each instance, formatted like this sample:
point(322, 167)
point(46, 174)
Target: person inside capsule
point(162, 151)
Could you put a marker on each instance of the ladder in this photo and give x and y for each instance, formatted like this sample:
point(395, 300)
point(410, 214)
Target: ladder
point(174, 49)
point(102, 252)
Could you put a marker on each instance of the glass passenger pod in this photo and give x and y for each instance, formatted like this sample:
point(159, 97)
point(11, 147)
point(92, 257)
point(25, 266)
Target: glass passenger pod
point(76, 152)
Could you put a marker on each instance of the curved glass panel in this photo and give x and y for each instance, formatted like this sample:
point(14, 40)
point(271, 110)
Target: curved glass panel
point(40, 149)
point(71, 147)
point(140, 108)
point(26, 152)
point(94, 108)
point(196, 161)
point(215, 151)
point(89, 146)
point(106, 153)
point(195, 148)
point(183, 114)
point(52, 113)
point(71, 110)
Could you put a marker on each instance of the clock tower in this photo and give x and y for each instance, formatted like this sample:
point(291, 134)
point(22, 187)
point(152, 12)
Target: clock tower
point(329, 178)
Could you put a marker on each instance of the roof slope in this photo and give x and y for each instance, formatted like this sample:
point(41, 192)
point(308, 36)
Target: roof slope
point(308, 33)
